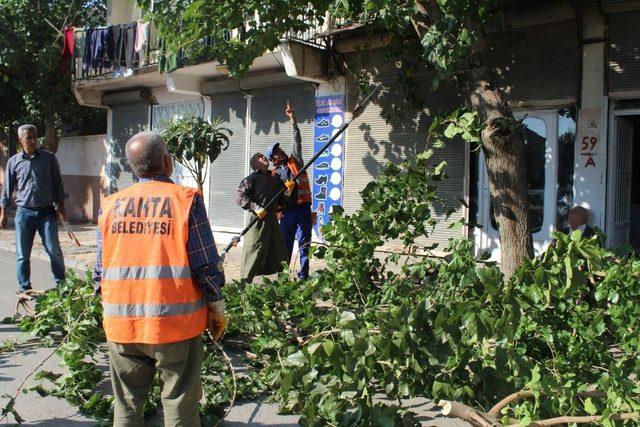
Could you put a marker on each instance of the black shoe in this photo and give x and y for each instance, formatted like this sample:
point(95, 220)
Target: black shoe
point(323, 165)
point(322, 195)
point(322, 180)
point(324, 123)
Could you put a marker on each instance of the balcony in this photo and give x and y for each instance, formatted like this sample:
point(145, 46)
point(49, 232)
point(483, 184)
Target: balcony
point(106, 60)
point(110, 52)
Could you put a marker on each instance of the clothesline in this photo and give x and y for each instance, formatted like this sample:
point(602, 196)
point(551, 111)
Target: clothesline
point(114, 46)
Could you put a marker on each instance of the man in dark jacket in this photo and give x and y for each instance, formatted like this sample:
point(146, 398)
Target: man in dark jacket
point(263, 249)
point(578, 218)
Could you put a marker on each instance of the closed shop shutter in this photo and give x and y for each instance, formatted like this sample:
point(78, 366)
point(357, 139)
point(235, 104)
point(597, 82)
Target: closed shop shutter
point(624, 51)
point(269, 124)
point(127, 120)
point(164, 113)
point(378, 136)
point(538, 63)
point(229, 168)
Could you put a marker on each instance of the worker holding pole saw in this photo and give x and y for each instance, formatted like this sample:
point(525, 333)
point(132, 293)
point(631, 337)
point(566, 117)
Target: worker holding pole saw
point(288, 188)
point(295, 222)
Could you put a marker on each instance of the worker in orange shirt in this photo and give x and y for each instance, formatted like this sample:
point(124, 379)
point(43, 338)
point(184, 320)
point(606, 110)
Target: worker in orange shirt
point(157, 270)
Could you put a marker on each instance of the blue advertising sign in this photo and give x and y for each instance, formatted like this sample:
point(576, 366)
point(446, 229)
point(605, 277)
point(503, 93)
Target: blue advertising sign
point(327, 170)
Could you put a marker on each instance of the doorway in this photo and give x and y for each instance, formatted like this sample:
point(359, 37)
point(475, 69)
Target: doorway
point(623, 180)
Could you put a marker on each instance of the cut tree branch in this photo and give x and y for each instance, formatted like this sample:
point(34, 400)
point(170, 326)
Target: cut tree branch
point(525, 394)
point(467, 413)
point(589, 419)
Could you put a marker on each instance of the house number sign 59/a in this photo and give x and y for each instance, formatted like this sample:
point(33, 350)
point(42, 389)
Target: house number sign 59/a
point(588, 150)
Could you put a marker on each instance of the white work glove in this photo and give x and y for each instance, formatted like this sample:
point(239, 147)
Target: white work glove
point(216, 320)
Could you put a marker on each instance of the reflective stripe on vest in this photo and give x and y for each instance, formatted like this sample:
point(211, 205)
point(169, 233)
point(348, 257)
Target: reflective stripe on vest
point(304, 190)
point(152, 310)
point(148, 294)
point(148, 272)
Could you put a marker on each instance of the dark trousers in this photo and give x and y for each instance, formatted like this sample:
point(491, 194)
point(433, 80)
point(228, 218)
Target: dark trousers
point(296, 225)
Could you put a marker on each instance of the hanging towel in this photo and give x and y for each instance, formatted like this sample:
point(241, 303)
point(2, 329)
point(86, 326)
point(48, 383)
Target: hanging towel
point(141, 35)
point(68, 44)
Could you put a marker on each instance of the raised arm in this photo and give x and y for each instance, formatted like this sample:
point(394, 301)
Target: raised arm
point(296, 146)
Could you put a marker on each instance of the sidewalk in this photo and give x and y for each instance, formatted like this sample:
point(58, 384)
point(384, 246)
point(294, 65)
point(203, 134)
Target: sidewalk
point(83, 257)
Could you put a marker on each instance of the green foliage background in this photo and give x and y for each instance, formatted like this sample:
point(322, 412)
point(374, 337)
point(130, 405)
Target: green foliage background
point(31, 87)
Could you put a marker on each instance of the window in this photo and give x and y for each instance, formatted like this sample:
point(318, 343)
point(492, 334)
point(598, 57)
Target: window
point(566, 144)
point(536, 145)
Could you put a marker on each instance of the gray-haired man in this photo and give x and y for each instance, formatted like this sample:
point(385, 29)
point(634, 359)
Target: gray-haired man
point(34, 175)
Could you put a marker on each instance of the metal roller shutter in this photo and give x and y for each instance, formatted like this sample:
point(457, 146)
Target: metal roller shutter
point(164, 113)
point(127, 120)
point(229, 168)
point(269, 124)
point(624, 51)
point(539, 62)
point(372, 141)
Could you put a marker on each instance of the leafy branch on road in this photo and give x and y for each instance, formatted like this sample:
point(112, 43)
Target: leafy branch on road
point(557, 342)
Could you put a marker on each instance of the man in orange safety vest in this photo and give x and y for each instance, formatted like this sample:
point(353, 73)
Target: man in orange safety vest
point(157, 271)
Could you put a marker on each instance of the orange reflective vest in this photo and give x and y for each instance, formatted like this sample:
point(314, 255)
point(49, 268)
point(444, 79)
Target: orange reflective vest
point(148, 294)
point(304, 190)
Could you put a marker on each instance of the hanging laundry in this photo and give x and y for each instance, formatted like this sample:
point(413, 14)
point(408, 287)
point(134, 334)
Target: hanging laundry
point(141, 35)
point(99, 42)
point(68, 44)
point(167, 62)
point(88, 49)
point(124, 38)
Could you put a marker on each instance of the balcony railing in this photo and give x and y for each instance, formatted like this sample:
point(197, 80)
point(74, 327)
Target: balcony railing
point(100, 53)
point(110, 52)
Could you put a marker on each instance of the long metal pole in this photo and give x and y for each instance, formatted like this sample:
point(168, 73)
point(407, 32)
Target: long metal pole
point(356, 112)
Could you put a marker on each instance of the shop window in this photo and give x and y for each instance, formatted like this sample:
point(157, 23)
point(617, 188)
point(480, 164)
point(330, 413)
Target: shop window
point(566, 144)
point(536, 144)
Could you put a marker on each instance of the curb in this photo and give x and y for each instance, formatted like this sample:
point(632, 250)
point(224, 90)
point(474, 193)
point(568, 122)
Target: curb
point(41, 254)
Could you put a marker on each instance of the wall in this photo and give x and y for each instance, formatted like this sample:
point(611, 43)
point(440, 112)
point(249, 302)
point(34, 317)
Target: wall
point(4, 156)
point(590, 176)
point(122, 12)
point(82, 163)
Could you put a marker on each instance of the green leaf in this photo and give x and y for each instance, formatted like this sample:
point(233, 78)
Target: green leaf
point(328, 347)
point(589, 407)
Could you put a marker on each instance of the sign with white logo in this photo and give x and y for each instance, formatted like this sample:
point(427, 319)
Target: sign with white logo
point(328, 168)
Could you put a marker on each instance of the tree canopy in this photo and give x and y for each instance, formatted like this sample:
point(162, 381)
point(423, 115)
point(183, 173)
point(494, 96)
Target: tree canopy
point(446, 35)
point(31, 85)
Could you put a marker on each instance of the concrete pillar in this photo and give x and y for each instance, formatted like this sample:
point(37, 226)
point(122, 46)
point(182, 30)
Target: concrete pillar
point(590, 168)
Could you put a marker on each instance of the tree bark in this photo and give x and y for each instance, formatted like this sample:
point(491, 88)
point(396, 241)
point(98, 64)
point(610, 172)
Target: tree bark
point(502, 142)
point(51, 134)
point(504, 148)
point(504, 151)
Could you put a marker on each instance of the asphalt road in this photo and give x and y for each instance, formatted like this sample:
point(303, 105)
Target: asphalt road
point(54, 412)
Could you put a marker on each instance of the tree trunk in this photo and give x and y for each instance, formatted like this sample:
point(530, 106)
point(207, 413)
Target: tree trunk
point(503, 146)
point(51, 134)
point(504, 150)
point(502, 141)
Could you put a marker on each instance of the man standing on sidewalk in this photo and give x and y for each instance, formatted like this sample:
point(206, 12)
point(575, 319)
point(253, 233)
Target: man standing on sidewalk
point(35, 176)
point(263, 249)
point(295, 222)
point(157, 270)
